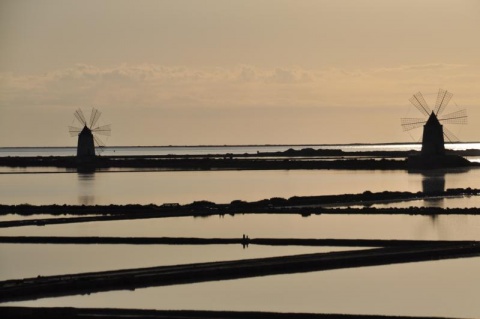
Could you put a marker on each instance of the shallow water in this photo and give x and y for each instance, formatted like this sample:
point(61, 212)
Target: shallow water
point(446, 227)
point(32, 260)
point(446, 288)
point(438, 288)
point(158, 187)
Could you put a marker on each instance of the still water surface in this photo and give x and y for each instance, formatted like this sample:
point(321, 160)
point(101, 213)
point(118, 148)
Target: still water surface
point(157, 187)
point(32, 260)
point(447, 288)
point(443, 288)
point(445, 227)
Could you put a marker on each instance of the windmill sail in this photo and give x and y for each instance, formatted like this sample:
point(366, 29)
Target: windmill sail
point(88, 134)
point(443, 98)
point(419, 102)
point(103, 130)
point(412, 123)
point(458, 117)
point(94, 116)
point(80, 117)
point(433, 122)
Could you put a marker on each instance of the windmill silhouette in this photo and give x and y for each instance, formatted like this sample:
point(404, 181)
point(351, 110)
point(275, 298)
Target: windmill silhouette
point(434, 131)
point(88, 133)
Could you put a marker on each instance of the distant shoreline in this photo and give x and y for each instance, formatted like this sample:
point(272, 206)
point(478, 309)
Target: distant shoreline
point(290, 159)
point(239, 145)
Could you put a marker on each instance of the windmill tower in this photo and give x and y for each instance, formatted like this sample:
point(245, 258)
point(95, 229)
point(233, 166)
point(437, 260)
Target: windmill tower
point(434, 130)
point(88, 133)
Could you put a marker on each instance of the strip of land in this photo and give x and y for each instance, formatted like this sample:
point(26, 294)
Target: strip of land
point(304, 212)
point(95, 313)
point(366, 198)
point(203, 163)
point(291, 159)
point(130, 279)
point(303, 205)
point(307, 158)
point(61, 240)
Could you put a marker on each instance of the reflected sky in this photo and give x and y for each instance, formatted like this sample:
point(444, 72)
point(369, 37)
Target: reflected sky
point(447, 227)
point(158, 187)
point(446, 288)
point(31, 260)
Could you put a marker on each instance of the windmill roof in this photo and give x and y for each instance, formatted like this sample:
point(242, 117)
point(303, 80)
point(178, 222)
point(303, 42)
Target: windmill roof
point(86, 130)
point(433, 120)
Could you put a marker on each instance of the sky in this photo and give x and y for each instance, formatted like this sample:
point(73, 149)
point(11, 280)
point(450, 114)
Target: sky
point(215, 72)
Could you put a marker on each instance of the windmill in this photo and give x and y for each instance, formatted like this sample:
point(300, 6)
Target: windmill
point(434, 132)
point(88, 133)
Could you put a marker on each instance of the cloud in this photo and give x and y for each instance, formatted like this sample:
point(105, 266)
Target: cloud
point(157, 86)
point(148, 103)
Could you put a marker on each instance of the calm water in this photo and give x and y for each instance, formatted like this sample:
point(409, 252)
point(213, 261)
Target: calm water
point(443, 288)
point(32, 260)
point(447, 288)
point(157, 187)
point(447, 227)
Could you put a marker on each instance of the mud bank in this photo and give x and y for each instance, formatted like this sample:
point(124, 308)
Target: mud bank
point(226, 241)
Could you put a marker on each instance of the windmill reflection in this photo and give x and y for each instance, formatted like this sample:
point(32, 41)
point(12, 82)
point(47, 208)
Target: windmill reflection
point(86, 192)
point(433, 183)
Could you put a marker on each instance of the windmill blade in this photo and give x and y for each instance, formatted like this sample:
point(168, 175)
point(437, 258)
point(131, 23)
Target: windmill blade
point(74, 131)
point(94, 116)
point(449, 135)
point(98, 141)
point(458, 117)
point(411, 123)
point(105, 130)
point(419, 102)
point(80, 117)
point(443, 98)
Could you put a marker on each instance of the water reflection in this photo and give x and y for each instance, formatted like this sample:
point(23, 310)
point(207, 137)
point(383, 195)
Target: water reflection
point(447, 288)
point(449, 227)
point(86, 188)
point(433, 182)
point(218, 186)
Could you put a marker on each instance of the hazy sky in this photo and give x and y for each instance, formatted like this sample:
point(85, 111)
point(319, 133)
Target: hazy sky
point(233, 72)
